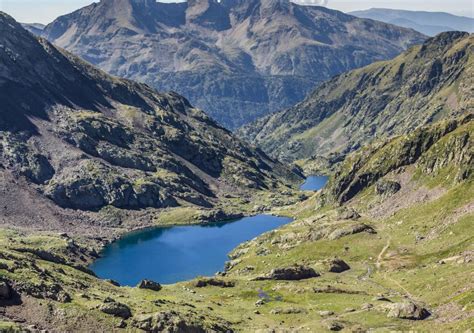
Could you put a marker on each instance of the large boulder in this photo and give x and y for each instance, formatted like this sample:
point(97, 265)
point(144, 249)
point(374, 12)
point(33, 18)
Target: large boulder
point(387, 187)
point(337, 266)
point(201, 283)
point(351, 230)
point(5, 291)
point(150, 285)
point(291, 273)
point(407, 310)
point(116, 309)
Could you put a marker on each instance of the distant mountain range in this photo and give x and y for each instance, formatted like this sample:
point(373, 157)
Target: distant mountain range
point(429, 23)
point(427, 83)
point(236, 59)
point(35, 28)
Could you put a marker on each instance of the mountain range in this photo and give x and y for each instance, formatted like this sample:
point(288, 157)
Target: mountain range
point(237, 60)
point(387, 245)
point(427, 83)
point(73, 137)
point(428, 23)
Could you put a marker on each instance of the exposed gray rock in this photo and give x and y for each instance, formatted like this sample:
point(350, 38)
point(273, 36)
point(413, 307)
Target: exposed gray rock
point(24, 160)
point(214, 282)
point(351, 230)
point(367, 306)
point(116, 309)
point(335, 326)
point(337, 266)
point(325, 313)
point(345, 213)
point(291, 310)
point(172, 321)
point(407, 310)
point(290, 273)
point(44, 291)
point(387, 187)
point(113, 282)
point(5, 291)
point(148, 284)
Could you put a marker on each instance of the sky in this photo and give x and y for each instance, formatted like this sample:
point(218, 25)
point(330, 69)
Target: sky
point(45, 11)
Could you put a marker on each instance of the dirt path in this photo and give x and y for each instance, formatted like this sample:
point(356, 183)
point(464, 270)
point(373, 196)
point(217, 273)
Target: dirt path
point(378, 264)
point(386, 276)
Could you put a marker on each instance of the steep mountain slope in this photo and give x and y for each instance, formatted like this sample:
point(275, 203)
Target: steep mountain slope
point(396, 255)
point(73, 137)
point(427, 83)
point(34, 28)
point(429, 23)
point(238, 60)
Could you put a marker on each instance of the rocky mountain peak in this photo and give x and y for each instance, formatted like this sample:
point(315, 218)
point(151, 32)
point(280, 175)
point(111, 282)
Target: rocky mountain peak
point(442, 42)
point(208, 13)
point(249, 56)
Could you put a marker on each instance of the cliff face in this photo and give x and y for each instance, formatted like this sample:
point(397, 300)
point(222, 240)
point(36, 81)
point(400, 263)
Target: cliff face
point(445, 145)
point(238, 60)
point(86, 140)
point(427, 83)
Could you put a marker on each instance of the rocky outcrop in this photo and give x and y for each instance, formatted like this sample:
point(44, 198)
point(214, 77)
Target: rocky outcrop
point(43, 290)
point(43, 255)
point(116, 309)
point(24, 160)
point(335, 326)
point(150, 285)
point(369, 165)
point(350, 230)
point(387, 187)
point(294, 273)
point(172, 321)
point(337, 266)
point(201, 283)
point(347, 213)
point(288, 311)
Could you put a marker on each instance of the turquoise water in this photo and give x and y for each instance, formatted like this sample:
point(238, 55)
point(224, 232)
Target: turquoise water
point(172, 254)
point(314, 183)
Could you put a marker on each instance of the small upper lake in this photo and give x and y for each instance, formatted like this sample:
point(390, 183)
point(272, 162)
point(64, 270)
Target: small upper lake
point(314, 183)
point(172, 254)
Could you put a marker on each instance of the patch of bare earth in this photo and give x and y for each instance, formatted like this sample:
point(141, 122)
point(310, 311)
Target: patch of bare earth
point(410, 194)
point(452, 312)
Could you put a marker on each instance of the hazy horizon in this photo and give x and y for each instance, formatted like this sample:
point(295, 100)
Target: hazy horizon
point(45, 11)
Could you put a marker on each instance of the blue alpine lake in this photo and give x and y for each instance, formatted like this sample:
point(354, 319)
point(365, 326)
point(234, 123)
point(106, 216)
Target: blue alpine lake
point(178, 253)
point(314, 183)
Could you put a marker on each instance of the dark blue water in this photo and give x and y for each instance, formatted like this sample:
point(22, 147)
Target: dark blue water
point(172, 254)
point(314, 183)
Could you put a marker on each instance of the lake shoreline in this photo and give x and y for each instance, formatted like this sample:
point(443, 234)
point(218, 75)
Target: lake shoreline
point(245, 225)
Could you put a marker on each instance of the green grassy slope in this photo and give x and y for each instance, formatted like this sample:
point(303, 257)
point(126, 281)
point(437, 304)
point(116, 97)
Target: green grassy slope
point(411, 245)
point(427, 83)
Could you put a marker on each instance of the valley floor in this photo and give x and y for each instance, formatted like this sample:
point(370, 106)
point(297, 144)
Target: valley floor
point(396, 255)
